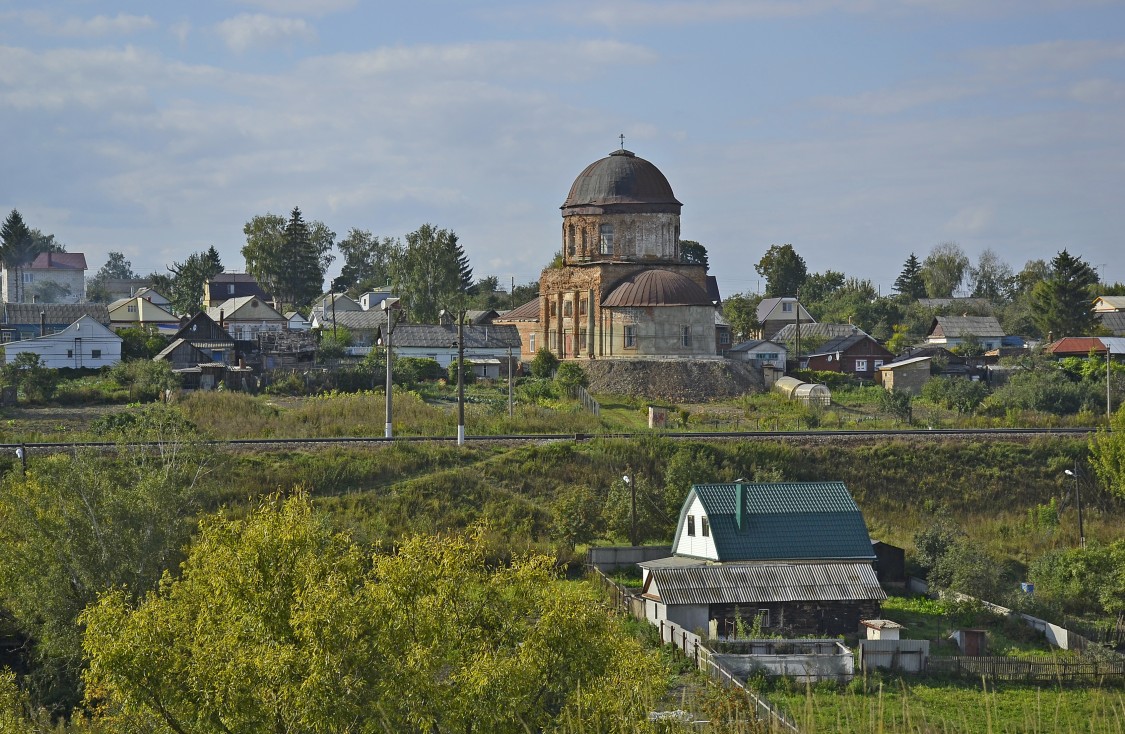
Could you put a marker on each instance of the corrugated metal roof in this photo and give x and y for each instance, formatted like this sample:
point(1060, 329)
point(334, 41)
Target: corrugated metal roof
point(360, 320)
point(840, 344)
point(656, 287)
point(55, 313)
point(526, 312)
point(788, 333)
point(905, 363)
point(1114, 321)
point(962, 326)
point(443, 337)
point(739, 583)
point(784, 521)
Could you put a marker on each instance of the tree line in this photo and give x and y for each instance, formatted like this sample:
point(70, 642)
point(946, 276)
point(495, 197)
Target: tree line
point(1042, 299)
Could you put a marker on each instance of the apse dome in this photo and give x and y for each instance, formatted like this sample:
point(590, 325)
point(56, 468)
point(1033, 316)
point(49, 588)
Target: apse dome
point(656, 287)
point(621, 182)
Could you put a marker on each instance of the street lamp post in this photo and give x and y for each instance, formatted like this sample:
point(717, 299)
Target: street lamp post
point(390, 306)
point(1077, 501)
point(461, 378)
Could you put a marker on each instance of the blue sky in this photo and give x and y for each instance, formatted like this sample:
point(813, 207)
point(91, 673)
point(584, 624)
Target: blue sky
point(859, 131)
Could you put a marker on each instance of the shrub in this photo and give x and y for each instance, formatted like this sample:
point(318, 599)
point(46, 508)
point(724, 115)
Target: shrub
point(1046, 389)
point(468, 377)
point(412, 370)
point(570, 375)
point(955, 393)
point(31, 377)
point(544, 364)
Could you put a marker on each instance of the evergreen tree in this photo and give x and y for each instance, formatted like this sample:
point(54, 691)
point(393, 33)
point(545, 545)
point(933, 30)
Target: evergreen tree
point(288, 257)
point(1063, 305)
point(694, 253)
point(185, 287)
point(910, 282)
point(17, 249)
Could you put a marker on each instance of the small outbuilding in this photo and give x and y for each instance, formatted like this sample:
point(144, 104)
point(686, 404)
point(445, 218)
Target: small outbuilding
point(908, 376)
point(881, 629)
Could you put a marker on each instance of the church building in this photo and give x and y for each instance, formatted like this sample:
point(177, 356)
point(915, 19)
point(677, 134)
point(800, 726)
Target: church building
point(622, 290)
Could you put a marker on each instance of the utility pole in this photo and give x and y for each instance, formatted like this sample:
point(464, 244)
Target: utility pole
point(460, 377)
point(511, 411)
point(628, 479)
point(1078, 501)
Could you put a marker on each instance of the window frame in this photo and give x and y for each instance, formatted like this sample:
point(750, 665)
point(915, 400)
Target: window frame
point(705, 527)
point(605, 239)
point(685, 336)
point(689, 527)
point(629, 336)
point(861, 365)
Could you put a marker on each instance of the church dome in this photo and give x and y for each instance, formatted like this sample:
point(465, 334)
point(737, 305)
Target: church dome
point(622, 181)
point(656, 288)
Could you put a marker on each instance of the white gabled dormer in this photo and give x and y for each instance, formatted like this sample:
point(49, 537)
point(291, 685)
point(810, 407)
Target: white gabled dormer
point(693, 533)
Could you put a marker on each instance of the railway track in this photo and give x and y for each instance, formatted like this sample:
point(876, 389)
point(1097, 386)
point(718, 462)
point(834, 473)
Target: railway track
point(266, 443)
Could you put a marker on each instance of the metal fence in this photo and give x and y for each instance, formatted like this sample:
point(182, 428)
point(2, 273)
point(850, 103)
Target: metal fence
point(587, 400)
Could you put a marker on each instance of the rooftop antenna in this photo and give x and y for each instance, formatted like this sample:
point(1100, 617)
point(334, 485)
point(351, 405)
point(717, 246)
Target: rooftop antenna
point(622, 136)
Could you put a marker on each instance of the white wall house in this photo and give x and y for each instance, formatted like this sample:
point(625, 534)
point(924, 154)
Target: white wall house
point(85, 343)
point(53, 277)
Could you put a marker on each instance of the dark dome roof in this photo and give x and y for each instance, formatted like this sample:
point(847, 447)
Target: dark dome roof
point(621, 178)
point(656, 288)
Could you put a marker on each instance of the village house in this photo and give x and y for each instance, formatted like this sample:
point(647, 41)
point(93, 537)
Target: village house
point(526, 320)
point(141, 311)
point(486, 347)
point(85, 343)
point(759, 353)
point(775, 314)
point(245, 317)
point(224, 286)
point(955, 331)
point(793, 557)
point(858, 355)
point(52, 277)
point(204, 335)
point(1110, 310)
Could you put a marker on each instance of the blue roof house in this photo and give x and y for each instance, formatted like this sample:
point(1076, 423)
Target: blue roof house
point(794, 557)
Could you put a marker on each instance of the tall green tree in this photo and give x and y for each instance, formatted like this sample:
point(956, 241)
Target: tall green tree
point(432, 273)
point(741, 311)
point(17, 250)
point(784, 270)
point(991, 278)
point(288, 257)
point(1063, 304)
point(819, 286)
point(943, 270)
point(71, 529)
point(187, 280)
point(910, 282)
point(277, 623)
point(367, 261)
point(694, 253)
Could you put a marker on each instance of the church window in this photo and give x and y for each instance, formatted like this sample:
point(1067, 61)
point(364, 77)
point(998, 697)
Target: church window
point(685, 336)
point(630, 336)
point(606, 231)
point(582, 307)
point(584, 241)
point(554, 309)
point(570, 241)
point(568, 308)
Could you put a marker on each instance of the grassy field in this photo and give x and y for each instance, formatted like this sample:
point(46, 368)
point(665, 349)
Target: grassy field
point(895, 704)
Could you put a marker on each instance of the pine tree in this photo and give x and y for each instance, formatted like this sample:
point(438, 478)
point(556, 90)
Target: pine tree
point(1063, 305)
point(910, 282)
point(17, 248)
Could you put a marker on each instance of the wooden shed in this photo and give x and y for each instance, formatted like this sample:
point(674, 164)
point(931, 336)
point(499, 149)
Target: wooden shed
point(909, 375)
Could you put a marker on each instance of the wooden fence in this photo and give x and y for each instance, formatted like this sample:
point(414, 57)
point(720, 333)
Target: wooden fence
point(1024, 670)
point(691, 645)
point(580, 394)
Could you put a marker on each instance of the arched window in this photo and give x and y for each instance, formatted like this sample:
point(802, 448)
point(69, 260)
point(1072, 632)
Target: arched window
point(606, 233)
point(570, 241)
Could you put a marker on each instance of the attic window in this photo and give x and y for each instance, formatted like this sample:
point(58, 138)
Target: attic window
point(230, 289)
point(787, 307)
point(691, 525)
point(705, 526)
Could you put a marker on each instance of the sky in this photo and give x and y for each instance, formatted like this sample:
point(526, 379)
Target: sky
point(859, 131)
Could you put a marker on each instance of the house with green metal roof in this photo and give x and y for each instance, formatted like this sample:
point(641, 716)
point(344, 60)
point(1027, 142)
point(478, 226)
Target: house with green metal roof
point(794, 555)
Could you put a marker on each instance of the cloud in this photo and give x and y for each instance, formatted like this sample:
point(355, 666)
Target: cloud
point(247, 31)
point(302, 7)
point(100, 25)
point(1050, 56)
